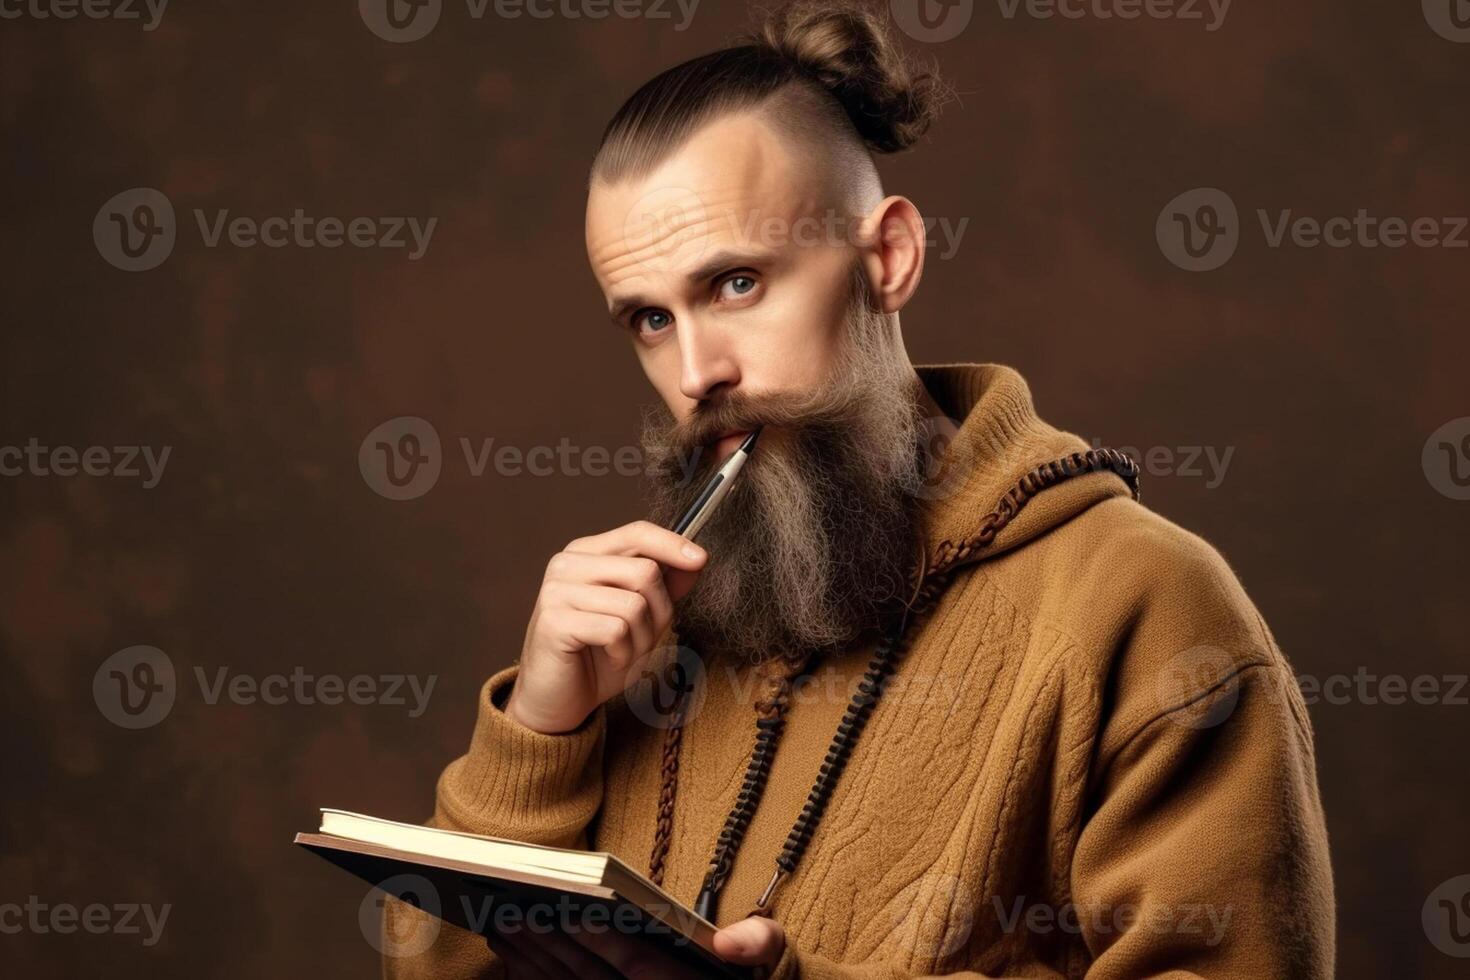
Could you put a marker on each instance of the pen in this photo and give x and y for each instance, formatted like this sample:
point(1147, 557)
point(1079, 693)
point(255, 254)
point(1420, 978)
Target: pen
point(715, 489)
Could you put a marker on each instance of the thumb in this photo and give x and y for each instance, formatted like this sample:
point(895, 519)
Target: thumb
point(681, 581)
point(753, 941)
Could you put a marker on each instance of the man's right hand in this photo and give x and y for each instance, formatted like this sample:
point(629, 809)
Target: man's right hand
point(604, 603)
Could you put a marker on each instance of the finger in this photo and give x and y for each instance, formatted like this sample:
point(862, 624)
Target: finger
point(527, 950)
point(679, 582)
point(517, 966)
point(596, 630)
point(574, 957)
point(642, 575)
point(753, 941)
point(636, 956)
point(633, 608)
point(645, 539)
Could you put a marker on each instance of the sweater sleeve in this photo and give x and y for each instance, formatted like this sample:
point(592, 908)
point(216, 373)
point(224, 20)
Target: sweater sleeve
point(1202, 850)
point(514, 783)
point(1207, 855)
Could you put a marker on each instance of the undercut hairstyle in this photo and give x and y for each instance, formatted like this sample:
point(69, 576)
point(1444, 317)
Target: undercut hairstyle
point(828, 76)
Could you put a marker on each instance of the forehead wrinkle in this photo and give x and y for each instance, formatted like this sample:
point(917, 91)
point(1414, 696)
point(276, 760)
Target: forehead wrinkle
point(716, 210)
point(671, 239)
point(742, 174)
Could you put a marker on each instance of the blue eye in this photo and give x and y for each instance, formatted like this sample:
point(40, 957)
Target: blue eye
point(654, 320)
point(741, 285)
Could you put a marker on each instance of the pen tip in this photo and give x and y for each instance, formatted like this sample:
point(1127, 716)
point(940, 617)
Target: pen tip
point(749, 443)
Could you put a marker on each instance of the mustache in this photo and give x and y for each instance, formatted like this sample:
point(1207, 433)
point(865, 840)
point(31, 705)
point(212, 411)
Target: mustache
point(681, 451)
point(744, 412)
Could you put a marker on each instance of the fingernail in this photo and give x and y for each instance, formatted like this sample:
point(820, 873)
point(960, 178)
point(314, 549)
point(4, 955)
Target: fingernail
point(692, 551)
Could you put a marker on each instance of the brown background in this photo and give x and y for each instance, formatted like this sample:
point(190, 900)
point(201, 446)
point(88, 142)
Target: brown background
point(263, 548)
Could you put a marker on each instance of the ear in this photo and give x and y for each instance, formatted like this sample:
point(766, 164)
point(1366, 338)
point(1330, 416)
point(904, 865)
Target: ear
point(892, 243)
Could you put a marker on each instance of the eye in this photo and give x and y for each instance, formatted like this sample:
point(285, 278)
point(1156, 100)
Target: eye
point(651, 321)
point(738, 286)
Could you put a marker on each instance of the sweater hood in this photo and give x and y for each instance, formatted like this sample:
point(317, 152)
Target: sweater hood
point(1000, 442)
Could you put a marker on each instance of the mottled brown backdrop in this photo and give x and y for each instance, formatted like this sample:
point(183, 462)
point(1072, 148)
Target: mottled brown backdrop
point(262, 548)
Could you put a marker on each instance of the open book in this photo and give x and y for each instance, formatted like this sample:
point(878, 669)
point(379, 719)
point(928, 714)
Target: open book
point(480, 883)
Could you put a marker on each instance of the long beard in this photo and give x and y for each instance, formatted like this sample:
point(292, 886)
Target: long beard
point(814, 544)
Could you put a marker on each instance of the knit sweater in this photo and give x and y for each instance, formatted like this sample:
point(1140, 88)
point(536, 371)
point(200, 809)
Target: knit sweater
point(1093, 760)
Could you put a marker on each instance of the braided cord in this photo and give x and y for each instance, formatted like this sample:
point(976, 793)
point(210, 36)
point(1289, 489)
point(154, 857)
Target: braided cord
point(668, 786)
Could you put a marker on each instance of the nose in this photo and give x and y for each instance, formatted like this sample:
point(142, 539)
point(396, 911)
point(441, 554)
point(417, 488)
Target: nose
point(706, 361)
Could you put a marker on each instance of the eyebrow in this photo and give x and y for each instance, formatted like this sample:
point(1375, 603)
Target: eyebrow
point(721, 261)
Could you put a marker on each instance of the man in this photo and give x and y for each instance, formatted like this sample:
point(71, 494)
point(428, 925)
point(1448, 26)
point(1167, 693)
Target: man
point(974, 715)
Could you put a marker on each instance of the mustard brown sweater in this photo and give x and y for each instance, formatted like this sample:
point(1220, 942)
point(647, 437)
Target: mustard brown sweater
point(1093, 760)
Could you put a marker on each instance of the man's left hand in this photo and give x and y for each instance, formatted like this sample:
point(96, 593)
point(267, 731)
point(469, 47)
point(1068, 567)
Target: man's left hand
point(608, 955)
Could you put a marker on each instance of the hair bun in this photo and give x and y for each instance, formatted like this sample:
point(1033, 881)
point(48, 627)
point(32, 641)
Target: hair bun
point(849, 49)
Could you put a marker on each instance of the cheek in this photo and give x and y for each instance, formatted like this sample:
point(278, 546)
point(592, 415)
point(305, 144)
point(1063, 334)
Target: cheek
point(661, 367)
point(800, 337)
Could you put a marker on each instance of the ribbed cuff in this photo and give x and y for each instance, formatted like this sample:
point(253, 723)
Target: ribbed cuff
point(523, 784)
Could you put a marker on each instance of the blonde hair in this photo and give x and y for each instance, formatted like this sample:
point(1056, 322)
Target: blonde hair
point(828, 73)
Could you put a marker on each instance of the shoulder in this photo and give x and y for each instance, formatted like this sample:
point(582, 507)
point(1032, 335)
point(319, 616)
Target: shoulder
point(1189, 642)
point(1138, 563)
point(1159, 620)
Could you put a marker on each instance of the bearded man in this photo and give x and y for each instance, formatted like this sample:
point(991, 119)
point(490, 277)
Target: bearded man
point(951, 701)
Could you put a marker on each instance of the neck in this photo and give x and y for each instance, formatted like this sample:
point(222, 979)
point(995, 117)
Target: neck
point(938, 422)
